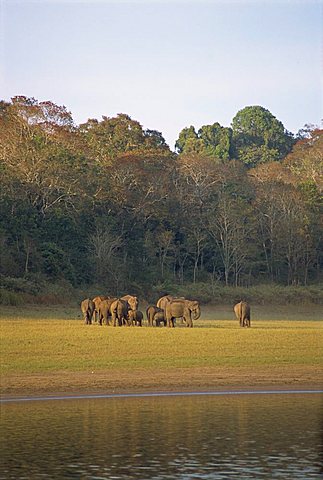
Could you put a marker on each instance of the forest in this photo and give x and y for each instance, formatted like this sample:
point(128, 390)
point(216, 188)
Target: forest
point(108, 205)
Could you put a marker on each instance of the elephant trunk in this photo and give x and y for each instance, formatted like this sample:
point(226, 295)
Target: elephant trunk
point(197, 314)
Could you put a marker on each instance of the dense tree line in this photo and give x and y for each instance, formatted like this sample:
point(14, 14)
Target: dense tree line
point(107, 202)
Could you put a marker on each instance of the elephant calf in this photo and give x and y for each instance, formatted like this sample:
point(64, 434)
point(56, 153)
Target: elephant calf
point(155, 314)
point(242, 312)
point(87, 308)
point(135, 317)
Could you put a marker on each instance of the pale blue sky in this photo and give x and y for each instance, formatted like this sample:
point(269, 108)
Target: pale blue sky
point(168, 64)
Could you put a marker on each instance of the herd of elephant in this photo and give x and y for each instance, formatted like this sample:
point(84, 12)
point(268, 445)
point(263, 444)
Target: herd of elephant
point(124, 311)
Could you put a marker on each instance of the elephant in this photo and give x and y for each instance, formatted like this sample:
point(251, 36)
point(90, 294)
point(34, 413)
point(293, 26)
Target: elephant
point(159, 318)
point(104, 309)
point(87, 307)
point(97, 301)
point(135, 317)
point(163, 301)
point(155, 314)
point(242, 312)
point(132, 300)
point(182, 308)
point(119, 311)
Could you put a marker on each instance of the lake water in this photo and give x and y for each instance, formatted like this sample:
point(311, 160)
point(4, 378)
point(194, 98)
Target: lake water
point(272, 436)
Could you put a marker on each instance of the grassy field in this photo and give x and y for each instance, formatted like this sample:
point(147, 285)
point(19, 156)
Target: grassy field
point(49, 350)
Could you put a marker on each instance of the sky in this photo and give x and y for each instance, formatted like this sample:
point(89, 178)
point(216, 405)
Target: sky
point(168, 64)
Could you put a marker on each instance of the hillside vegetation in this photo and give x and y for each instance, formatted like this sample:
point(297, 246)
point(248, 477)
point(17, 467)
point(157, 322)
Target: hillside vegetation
point(107, 206)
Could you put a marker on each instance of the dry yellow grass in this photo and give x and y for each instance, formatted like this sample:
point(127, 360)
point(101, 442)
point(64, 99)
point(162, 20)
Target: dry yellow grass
point(44, 354)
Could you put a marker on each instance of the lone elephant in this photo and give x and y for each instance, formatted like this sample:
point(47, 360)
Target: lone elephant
point(87, 308)
point(155, 314)
point(182, 308)
point(242, 312)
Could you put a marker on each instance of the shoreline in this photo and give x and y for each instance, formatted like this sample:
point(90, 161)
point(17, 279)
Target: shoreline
point(170, 381)
point(235, 391)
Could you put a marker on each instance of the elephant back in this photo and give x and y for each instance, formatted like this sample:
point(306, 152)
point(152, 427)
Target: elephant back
point(97, 300)
point(152, 309)
point(119, 311)
point(87, 305)
point(162, 302)
point(242, 312)
point(105, 305)
point(132, 301)
point(182, 307)
point(245, 310)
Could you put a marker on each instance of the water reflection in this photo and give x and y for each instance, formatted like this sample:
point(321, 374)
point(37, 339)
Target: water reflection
point(245, 437)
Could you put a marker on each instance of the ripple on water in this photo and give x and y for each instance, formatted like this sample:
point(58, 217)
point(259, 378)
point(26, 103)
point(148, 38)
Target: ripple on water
point(163, 437)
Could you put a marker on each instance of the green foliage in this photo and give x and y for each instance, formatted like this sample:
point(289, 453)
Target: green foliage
point(56, 263)
point(119, 134)
point(7, 297)
point(259, 137)
point(211, 140)
point(32, 285)
point(216, 140)
point(108, 204)
point(269, 294)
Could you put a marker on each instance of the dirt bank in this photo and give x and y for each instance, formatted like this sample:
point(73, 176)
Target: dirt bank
point(162, 380)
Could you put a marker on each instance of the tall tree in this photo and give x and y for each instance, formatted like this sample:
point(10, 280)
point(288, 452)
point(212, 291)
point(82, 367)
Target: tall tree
point(216, 140)
point(259, 137)
point(210, 141)
point(113, 136)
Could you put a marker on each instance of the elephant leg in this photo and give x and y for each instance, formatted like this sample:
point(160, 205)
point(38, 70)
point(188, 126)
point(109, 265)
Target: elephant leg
point(188, 319)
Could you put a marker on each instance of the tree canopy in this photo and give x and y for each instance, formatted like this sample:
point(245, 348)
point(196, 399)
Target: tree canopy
point(108, 202)
point(259, 137)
